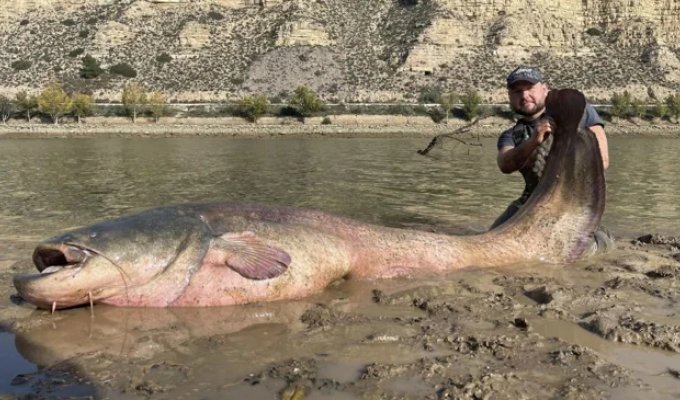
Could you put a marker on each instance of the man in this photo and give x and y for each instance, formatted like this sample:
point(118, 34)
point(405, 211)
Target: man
point(525, 146)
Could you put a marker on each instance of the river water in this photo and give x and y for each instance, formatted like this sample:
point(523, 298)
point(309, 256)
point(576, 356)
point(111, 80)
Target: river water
point(48, 186)
point(53, 185)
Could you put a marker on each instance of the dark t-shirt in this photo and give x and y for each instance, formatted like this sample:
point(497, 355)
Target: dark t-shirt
point(521, 132)
point(523, 129)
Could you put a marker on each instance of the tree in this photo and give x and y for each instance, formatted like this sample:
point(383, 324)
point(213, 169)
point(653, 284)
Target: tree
point(134, 99)
point(54, 102)
point(673, 104)
point(82, 105)
point(621, 103)
point(446, 101)
point(26, 103)
point(660, 109)
point(305, 101)
point(157, 105)
point(637, 107)
point(7, 108)
point(21, 65)
point(253, 107)
point(471, 100)
point(90, 68)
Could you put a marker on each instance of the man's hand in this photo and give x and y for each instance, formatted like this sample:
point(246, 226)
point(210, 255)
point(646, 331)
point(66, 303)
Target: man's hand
point(511, 159)
point(543, 127)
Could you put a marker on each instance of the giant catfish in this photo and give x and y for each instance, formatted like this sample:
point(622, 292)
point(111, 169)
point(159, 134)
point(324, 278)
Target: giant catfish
point(225, 254)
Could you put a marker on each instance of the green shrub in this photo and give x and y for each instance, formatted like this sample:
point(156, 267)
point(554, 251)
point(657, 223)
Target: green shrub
point(21, 65)
point(430, 94)
point(91, 68)
point(7, 108)
point(76, 52)
point(436, 114)
point(68, 22)
point(638, 108)
point(84, 33)
point(471, 101)
point(289, 111)
point(23, 22)
point(134, 99)
point(593, 31)
point(673, 105)
point(164, 58)
point(54, 101)
point(215, 15)
point(305, 101)
point(123, 69)
point(660, 110)
point(326, 121)
point(26, 103)
point(253, 107)
point(621, 103)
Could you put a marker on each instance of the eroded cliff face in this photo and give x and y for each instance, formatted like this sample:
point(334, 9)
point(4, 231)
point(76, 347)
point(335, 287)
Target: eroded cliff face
point(346, 50)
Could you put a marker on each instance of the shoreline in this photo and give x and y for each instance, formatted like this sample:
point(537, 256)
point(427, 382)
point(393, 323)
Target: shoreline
point(372, 127)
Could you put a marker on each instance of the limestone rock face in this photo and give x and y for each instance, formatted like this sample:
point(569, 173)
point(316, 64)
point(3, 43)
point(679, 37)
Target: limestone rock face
point(194, 35)
point(345, 49)
point(112, 34)
point(303, 33)
point(246, 3)
point(511, 27)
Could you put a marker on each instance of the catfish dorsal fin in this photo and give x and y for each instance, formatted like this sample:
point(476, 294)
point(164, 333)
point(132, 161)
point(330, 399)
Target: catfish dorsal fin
point(251, 257)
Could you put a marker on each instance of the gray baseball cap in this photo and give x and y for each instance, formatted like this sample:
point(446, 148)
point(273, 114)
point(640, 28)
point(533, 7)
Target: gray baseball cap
point(527, 74)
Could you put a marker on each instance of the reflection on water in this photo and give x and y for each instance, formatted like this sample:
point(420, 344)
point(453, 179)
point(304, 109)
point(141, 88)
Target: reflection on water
point(12, 364)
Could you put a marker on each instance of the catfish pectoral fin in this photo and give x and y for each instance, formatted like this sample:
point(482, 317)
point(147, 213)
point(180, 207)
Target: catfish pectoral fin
point(251, 257)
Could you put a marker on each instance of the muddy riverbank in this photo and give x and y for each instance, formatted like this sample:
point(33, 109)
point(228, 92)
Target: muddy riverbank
point(606, 327)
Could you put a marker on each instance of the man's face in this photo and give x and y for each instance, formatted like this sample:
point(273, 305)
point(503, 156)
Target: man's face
point(528, 98)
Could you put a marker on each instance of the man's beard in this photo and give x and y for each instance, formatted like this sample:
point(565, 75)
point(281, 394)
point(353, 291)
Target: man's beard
point(534, 110)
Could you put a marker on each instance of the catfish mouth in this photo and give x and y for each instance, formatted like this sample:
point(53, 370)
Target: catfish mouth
point(50, 259)
point(59, 282)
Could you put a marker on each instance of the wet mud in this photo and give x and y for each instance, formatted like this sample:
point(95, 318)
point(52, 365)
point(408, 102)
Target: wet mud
point(606, 327)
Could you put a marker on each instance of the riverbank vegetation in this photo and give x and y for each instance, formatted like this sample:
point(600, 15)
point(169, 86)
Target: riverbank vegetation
point(53, 104)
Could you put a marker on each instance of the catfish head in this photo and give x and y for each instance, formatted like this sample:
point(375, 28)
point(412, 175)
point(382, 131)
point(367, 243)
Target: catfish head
point(117, 259)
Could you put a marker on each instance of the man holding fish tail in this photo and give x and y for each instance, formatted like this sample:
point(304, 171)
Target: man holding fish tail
point(525, 146)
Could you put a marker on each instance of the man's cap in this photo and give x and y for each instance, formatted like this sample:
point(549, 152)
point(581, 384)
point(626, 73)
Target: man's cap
point(527, 74)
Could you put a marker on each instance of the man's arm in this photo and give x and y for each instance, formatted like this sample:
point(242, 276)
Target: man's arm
point(511, 159)
point(598, 131)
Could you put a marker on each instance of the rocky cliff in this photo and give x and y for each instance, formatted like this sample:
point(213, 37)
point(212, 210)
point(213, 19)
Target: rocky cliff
point(347, 50)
